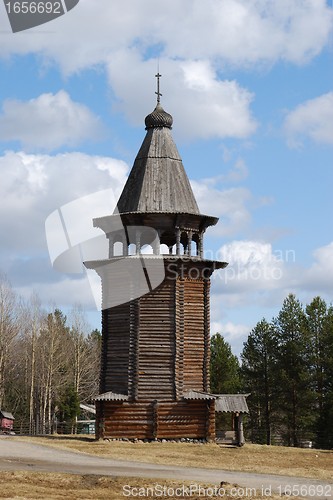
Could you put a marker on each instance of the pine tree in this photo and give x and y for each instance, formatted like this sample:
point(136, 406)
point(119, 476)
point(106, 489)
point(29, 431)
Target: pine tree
point(68, 407)
point(258, 372)
point(296, 398)
point(224, 367)
point(224, 375)
point(324, 427)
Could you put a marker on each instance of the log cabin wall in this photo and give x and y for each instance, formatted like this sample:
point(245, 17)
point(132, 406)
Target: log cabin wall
point(156, 340)
point(194, 362)
point(115, 349)
point(156, 420)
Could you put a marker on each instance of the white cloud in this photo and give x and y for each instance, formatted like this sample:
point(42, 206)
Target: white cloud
point(124, 37)
point(230, 205)
point(48, 122)
point(252, 266)
point(319, 277)
point(63, 293)
point(230, 331)
point(257, 281)
point(243, 32)
point(234, 31)
point(234, 333)
point(202, 105)
point(257, 275)
point(312, 119)
point(33, 186)
point(217, 108)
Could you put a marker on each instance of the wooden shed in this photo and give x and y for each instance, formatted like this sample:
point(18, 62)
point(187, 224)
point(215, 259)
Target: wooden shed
point(6, 422)
point(156, 345)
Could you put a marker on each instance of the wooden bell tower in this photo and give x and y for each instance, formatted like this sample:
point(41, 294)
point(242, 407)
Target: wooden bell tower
point(154, 379)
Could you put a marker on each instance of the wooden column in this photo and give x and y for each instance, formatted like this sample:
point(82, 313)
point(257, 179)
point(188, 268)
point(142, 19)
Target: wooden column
point(189, 243)
point(111, 243)
point(137, 241)
point(155, 419)
point(177, 241)
point(100, 420)
point(210, 421)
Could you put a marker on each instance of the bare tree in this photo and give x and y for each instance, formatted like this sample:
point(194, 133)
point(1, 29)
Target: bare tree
point(53, 343)
point(33, 321)
point(79, 352)
point(9, 328)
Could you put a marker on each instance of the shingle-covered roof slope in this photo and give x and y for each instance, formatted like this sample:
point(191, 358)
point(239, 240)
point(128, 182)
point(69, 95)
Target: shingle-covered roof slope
point(235, 403)
point(229, 403)
point(6, 414)
point(110, 396)
point(158, 181)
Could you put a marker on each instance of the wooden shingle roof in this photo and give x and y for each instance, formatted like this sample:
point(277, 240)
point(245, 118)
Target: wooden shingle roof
point(231, 403)
point(158, 181)
point(228, 403)
point(110, 396)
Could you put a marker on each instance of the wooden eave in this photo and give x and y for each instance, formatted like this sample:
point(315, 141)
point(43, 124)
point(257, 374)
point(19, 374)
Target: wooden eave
point(95, 264)
point(110, 396)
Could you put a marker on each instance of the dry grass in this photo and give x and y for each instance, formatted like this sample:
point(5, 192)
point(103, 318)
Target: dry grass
point(317, 464)
point(47, 486)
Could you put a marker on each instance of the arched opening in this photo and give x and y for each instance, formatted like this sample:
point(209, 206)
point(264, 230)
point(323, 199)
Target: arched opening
point(118, 248)
point(149, 237)
point(164, 249)
point(132, 249)
point(147, 250)
point(168, 238)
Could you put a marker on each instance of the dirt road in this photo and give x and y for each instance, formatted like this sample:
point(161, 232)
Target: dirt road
point(17, 455)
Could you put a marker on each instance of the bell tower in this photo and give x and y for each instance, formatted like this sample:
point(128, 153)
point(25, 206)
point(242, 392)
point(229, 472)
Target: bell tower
point(154, 380)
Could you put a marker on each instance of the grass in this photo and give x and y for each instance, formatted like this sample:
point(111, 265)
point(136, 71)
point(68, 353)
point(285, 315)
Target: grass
point(310, 463)
point(47, 486)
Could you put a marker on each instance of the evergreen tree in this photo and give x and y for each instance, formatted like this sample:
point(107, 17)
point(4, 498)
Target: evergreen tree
point(224, 375)
point(296, 398)
point(69, 407)
point(258, 372)
point(324, 428)
point(224, 367)
point(316, 320)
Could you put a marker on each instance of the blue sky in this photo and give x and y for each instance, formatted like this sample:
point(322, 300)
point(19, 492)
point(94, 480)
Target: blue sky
point(249, 85)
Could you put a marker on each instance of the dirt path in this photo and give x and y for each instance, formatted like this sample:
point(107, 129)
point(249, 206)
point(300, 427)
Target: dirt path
point(16, 455)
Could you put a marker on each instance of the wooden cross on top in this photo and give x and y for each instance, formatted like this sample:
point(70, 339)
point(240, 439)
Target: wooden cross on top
point(158, 93)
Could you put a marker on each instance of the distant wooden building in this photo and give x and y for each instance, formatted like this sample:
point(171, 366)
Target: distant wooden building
point(155, 350)
point(6, 422)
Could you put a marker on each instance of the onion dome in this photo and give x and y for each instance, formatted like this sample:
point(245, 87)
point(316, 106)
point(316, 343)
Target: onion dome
point(158, 118)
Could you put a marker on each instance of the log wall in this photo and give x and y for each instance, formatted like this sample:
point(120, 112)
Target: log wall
point(115, 349)
point(156, 343)
point(194, 335)
point(156, 420)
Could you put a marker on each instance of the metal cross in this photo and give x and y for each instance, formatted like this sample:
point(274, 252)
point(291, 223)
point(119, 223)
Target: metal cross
point(158, 93)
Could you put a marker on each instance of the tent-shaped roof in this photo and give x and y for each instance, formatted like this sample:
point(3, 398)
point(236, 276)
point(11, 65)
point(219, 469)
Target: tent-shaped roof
point(158, 181)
